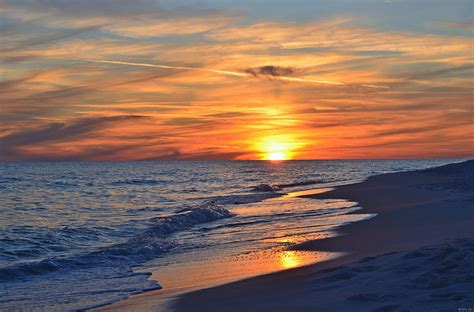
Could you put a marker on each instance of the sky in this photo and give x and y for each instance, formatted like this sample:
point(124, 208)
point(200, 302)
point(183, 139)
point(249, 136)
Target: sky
point(224, 79)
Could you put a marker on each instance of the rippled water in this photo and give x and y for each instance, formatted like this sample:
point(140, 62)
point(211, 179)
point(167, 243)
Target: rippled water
point(78, 234)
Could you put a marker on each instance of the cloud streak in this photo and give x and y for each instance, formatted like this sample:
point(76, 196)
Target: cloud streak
point(265, 70)
point(11, 144)
point(210, 83)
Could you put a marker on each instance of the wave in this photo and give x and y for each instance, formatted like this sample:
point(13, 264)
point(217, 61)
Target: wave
point(273, 188)
point(145, 246)
point(266, 188)
point(243, 198)
point(138, 182)
point(304, 183)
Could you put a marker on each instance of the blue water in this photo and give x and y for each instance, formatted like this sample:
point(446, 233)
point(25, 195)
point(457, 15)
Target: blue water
point(77, 234)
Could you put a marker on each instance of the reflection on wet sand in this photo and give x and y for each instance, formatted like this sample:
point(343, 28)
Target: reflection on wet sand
point(218, 270)
point(271, 226)
point(289, 259)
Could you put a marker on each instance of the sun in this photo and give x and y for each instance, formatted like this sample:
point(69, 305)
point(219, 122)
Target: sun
point(276, 156)
point(276, 148)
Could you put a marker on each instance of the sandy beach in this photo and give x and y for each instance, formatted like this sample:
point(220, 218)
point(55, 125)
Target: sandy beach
point(416, 254)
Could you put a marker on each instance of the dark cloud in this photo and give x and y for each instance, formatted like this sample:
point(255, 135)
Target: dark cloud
point(37, 104)
point(213, 155)
point(47, 39)
point(14, 84)
point(18, 105)
point(21, 102)
point(270, 70)
point(169, 155)
point(469, 26)
point(143, 77)
point(417, 142)
point(228, 115)
point(92, 153)
point(106, 8)
point(83, 8)
point(60, 93)
point(423, 105)
point(56, 132)
point(185, 121)
point(17, 59)
point(414, 130)
point(435, 126)
point(378, 53)
point(208, 154)
point(445, 72)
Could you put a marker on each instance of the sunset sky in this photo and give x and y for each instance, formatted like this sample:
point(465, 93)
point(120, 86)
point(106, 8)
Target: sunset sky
point(224, 79)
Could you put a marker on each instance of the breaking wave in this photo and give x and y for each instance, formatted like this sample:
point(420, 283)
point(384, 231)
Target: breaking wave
point(142, 247)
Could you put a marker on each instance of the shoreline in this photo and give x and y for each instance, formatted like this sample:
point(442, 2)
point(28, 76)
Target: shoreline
point(411, 213)
point(414, 209)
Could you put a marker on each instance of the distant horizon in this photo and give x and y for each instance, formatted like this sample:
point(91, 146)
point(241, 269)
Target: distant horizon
point(238, 160)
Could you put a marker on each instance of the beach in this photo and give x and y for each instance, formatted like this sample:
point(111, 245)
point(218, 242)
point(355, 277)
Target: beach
point(237, 155)
point(416, 254)
point(139, 235)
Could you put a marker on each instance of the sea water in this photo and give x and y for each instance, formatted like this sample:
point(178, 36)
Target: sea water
point(76, 235)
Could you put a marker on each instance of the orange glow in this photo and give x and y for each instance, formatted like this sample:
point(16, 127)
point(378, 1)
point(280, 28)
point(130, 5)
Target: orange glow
point(276, 156)
point(277, 148)
point(289, 259)
point(229, 93)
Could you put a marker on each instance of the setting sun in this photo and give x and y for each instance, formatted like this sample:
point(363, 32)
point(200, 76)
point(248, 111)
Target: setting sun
point(277, 148)
point(276, 156)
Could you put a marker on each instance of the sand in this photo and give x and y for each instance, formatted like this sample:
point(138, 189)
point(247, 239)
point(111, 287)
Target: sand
point(416, 254)
point(414, 209)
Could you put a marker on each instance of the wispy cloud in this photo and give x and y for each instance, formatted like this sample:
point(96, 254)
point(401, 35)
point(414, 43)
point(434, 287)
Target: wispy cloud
point(468, 26)
point(216, 71)
point(11, 144)
point(268, 70)
point(210, 83)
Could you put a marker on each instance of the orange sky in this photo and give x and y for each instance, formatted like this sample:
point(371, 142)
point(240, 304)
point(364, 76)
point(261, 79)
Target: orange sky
point(221, 83)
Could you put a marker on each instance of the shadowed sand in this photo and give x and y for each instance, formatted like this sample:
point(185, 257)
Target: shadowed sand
point(414, 209)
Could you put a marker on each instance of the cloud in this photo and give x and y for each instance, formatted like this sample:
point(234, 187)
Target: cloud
point(142, 18)
point(11, 144)
point(444, 72)
point(203, 155)
point(270, 70)
point(186, 121)
point(213, 83)
point(45, 40)
point(107, 8)
point(23, 104)
point(167, 27)
point(468, 26)
point(436, 127)
point(14, 84)
point(228, 115)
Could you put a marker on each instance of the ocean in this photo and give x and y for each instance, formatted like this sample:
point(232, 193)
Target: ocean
point(76, 235)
